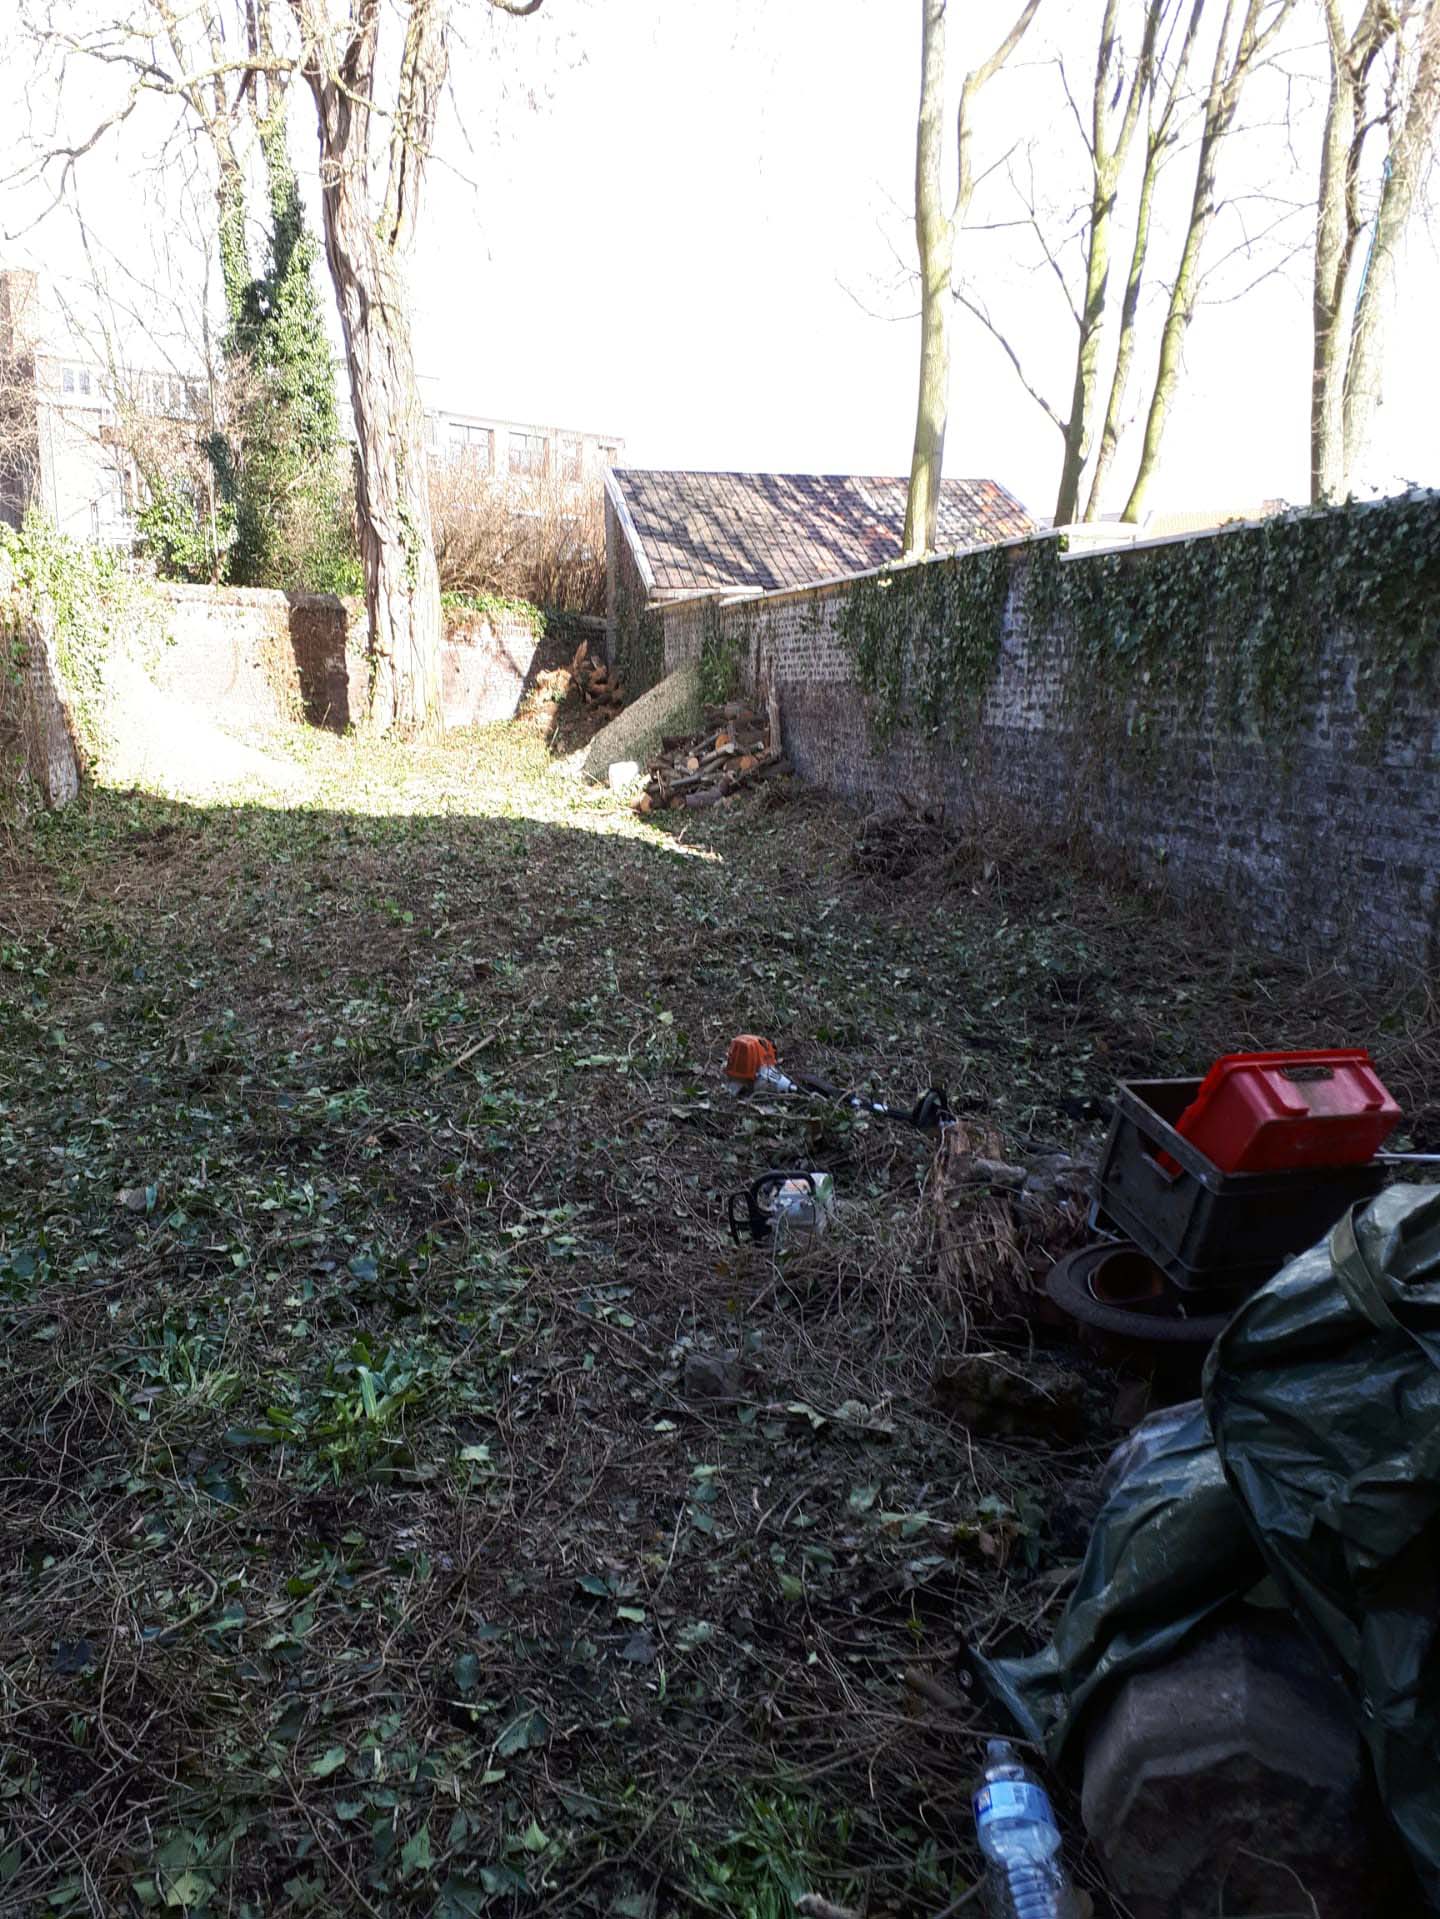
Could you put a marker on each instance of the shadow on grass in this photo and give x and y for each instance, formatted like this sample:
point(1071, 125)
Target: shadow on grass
point(362, 1205)
point(362, 1194)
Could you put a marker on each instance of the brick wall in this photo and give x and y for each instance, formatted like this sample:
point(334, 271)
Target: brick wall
point(253, 655)
point(1331, 846)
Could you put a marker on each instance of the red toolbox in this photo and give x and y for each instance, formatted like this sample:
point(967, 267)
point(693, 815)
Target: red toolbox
point(1278, 1112)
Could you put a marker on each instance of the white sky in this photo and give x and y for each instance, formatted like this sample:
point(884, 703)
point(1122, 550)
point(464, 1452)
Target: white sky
point(679, 221)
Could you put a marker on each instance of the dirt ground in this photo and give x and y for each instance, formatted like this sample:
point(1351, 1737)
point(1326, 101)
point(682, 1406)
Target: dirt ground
point(365, 1547)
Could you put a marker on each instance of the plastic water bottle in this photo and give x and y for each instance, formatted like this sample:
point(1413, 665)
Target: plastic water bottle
point(1020, 1841)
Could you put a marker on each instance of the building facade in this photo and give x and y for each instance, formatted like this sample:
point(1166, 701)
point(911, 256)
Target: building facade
point(62, 451)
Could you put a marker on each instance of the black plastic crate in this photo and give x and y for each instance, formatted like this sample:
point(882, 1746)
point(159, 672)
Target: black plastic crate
point(1210, 1229)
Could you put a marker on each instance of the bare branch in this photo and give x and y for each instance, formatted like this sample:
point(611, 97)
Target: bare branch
point(972, 307)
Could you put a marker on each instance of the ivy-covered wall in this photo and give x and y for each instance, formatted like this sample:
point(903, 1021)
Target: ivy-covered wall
point(635, 635)
point(1253, 714)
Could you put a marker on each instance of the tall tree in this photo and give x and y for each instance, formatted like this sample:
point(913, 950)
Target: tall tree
point(1398, 46)
point(1165, 88)
point(335, 46)
point(1154, 76)
point(1260, 24)
point(1114, 113)
point(1118, 88)
point(935, 231)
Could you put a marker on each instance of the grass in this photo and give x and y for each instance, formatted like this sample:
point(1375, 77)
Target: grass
point(362, 1201)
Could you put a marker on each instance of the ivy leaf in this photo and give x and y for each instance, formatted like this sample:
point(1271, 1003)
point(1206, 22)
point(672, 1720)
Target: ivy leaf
point(415, 1855)
point(527, 1729)
point(329, 1761)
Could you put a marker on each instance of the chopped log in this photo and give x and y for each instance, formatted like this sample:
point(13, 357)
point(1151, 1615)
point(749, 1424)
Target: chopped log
point(707, 796)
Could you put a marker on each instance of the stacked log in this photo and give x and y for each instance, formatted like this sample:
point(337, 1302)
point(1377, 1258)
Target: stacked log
point(735, 750)
point(597, 685)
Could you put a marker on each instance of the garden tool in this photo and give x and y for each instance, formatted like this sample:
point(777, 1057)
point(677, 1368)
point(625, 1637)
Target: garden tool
point(751, 1065)
point(781, 1202)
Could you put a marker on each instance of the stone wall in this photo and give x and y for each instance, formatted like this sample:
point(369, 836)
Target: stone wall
point(1328, 844)
point(256, 656)
point(39, 764)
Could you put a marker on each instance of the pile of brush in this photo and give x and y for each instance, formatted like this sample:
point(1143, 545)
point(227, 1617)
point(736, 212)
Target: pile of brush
point(738, 747)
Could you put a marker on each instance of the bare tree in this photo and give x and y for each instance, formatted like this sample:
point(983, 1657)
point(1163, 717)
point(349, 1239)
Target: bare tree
point(335, 46)
point(1165, 87)
point(1260, 24)
point(935, 237)
point(1400, 47)
point(1155, 78)
point(1119, 88)
point(1114, 113)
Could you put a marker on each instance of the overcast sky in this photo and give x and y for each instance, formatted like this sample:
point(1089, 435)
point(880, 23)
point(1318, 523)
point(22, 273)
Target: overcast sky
point(687, 223)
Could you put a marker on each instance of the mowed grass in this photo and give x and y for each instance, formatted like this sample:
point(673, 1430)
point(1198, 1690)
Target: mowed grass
point(363, 1181)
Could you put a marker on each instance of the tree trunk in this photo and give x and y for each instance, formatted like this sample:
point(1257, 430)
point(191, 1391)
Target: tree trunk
point(1405, 168)
point(366, 257)
point(1108, 160)
point(402, 582)
point(1334, 248)
point(935, 238)
point(1159, 139)
point(1223, 99)
point(1125, 347)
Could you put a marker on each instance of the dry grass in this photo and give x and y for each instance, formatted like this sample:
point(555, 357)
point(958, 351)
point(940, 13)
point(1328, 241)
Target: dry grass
point(364, 1165)
point(542, 541)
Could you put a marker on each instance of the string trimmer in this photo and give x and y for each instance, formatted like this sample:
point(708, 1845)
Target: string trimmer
point(751, 1066)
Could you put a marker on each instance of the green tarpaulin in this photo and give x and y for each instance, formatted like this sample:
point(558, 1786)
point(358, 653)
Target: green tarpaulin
point(1316, 1461)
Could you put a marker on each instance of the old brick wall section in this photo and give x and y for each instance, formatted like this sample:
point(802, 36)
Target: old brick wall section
point(252, 655)
point(1331, 849)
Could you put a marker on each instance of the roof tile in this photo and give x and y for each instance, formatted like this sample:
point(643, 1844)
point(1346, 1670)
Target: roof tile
point(775, 530)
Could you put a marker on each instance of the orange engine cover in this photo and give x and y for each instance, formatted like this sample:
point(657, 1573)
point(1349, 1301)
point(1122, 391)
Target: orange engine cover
point(748, 1053)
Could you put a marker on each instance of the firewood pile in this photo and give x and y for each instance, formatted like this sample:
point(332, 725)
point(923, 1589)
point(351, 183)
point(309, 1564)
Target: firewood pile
point(595, 682)
point(738, 747)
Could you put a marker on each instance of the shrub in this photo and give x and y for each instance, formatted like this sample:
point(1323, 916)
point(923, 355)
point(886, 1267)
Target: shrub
point(543, 542)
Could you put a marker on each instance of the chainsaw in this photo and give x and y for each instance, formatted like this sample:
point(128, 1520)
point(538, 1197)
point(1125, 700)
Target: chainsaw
point(751, 1066)
point(779, 1202)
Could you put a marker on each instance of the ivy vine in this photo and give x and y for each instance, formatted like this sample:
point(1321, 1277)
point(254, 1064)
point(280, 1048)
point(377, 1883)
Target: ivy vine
point(496, 607)
point(724, 650)
point(1229, 632)
point(95, 602)
point(639, 638)
point(925, 640)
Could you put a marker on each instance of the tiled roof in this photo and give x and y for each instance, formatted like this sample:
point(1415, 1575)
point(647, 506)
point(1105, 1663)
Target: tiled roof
point(773, 530)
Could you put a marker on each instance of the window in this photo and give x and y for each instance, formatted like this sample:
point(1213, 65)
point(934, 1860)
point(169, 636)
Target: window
point(572, 458)
point(474, 443)
point(84, 380)
point(609, 452)
point(67, 380)
point(527, 452)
